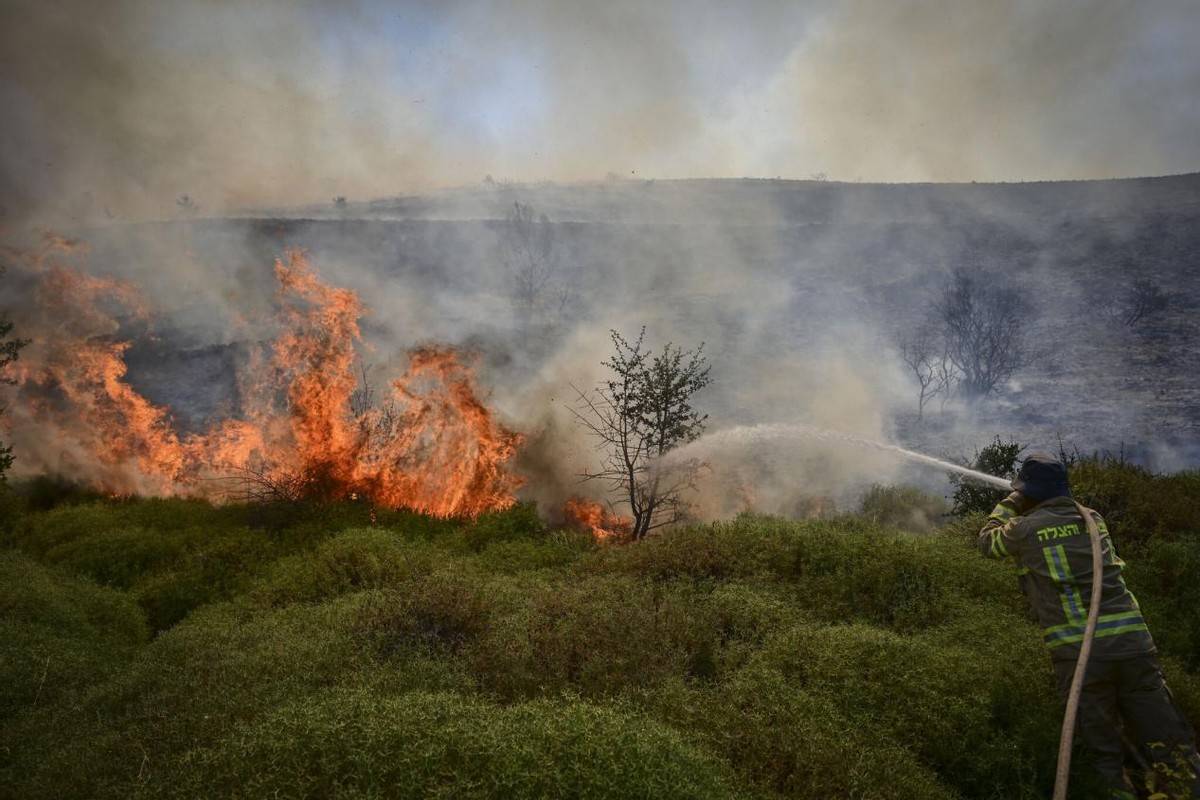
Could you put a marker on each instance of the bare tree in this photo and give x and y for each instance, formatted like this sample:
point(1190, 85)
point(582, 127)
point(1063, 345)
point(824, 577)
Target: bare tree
point(10, 351)
point(946, 378)
point(639, 414)
point(1142, 299)
point(187, 204)
point(983, 328)
point(929, 361)
point(529, 246)
point(541, 296)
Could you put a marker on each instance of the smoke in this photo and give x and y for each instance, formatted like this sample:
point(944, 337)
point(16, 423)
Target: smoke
point(114, 110)
point(113, 113)
point(922, 90)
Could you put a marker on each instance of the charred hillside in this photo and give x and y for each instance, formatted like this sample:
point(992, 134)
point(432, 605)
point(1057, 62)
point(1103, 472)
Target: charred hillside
point(756, 268)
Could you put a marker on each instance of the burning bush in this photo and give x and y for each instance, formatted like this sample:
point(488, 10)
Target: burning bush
point(434, 447)
point(593, 517)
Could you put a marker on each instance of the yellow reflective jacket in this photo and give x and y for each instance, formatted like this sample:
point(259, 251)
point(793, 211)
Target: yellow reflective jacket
point(1053, 552)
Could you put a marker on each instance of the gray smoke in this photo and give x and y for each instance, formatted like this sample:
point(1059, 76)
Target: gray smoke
point(115, 109)
point(265, 111)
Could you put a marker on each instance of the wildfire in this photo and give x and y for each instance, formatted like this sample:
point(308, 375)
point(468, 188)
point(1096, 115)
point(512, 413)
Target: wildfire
point(433, 446)
point(602, 523)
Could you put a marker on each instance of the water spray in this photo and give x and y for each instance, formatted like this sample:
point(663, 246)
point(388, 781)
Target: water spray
point(744, 435)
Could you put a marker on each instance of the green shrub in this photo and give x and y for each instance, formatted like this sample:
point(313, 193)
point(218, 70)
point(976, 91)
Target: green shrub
point(44, 492)
point(1000, 458)
point(1136, 503)
point(847, 571)
point(187, 688)
point(359, 558)
point(441, 611)
point(883, 578)
point(557, 551)
point(597, 636)
point(832, 657)
point(745, 616)
point(58, 634)
point(352, 744)
point(957, 711)
point(12, 506)
point(904, 507)
point(67, 529)
point(789, 742)
point(117, 557)
point(173, 555)
point(750, 545)
point(1162, 574)
point(521, 521)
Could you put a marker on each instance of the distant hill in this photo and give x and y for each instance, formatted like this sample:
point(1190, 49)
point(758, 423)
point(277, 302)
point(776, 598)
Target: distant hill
point(787, 202)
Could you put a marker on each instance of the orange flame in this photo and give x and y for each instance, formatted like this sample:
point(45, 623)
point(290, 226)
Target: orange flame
point(434, 448)
point(599, 521)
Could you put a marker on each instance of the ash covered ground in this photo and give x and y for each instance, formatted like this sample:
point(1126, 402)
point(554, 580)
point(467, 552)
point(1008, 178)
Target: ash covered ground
point(765, 272)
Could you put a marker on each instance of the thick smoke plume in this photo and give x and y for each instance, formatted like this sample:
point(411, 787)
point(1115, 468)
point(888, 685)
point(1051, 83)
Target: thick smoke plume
point(114, 110)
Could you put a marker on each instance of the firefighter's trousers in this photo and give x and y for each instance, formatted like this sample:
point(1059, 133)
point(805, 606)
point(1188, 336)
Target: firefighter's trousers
point(1129, 698)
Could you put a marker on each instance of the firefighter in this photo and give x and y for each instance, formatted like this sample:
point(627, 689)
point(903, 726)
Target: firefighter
point(1124, 694)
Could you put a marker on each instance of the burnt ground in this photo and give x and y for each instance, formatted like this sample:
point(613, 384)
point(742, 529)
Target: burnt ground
point(845, 258)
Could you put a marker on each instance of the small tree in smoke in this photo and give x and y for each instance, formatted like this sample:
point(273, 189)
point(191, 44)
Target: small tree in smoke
point(928, 358)
point(540, 295)
point(1141, 300)
point(982, 325)
point(638, 415)
point(187, 204)
point(10, 350)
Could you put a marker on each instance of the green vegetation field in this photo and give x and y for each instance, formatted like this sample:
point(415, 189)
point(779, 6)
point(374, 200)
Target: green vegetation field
point(169, 648)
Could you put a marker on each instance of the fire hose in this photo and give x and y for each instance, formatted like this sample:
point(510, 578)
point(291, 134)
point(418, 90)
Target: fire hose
point(1085, 650)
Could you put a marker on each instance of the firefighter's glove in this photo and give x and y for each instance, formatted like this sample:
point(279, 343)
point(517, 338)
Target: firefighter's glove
point(1019, 502)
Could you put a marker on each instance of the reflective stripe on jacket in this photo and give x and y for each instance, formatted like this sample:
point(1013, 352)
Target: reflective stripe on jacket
point(1053, 553)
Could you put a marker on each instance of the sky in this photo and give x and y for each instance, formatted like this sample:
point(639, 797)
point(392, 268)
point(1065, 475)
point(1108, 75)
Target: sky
point(118, 107)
